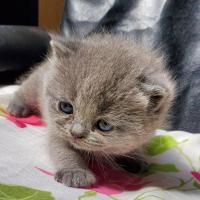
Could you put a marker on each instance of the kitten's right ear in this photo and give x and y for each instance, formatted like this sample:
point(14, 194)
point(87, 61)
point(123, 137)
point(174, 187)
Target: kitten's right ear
point(159, 92)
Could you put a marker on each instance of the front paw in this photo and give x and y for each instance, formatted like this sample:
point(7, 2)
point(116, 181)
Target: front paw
point(18, 109)
point(75, 177)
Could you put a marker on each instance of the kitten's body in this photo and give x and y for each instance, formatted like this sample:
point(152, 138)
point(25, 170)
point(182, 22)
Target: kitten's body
point(104, 77)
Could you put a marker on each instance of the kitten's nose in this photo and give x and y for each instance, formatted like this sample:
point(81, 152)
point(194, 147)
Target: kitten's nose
point(78, 131)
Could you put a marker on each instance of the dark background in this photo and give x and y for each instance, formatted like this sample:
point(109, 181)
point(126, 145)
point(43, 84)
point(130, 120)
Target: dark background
point(19, 12)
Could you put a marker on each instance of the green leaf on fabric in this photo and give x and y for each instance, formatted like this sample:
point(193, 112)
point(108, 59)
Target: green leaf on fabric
point(182, 183)
point(154, 167)
point(87, 194)
point(160, 144)
point(15, 192)
point(163, 167)
point(197, 185)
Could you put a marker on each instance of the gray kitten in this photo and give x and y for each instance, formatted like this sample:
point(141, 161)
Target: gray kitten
point(103, 95)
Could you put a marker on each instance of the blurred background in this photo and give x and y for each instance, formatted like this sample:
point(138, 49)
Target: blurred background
point(24, 40)
point(43, 13)
point(172, 26)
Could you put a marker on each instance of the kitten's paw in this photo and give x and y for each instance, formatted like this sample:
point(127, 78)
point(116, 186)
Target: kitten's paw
point(18, 109)
point(75, 177)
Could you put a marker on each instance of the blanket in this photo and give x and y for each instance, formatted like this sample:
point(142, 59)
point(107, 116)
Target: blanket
point(26, 171)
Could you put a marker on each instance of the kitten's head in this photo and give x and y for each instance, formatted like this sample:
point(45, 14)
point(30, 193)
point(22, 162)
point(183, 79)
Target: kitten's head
point(105, 93)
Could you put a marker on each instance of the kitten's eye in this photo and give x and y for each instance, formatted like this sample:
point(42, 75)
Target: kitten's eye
point(65, 107)
point(104, 126)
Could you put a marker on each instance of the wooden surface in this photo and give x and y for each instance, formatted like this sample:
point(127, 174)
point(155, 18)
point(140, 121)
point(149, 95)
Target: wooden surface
point(50, 14)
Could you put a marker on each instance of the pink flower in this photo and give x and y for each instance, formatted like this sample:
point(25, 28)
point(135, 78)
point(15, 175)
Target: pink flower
point(45, 171)
point(111, 181)
point(196, 175)
point(20, 121)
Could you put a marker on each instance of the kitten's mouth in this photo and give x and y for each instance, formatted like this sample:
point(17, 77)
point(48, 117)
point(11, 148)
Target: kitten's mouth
point(75, 141)
point(82, 144)
point(78, 144)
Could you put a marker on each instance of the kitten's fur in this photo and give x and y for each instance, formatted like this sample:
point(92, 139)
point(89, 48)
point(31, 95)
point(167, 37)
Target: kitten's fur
point(103, 77)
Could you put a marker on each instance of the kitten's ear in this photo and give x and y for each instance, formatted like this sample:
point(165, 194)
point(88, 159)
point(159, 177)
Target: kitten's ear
point(57, 47)
point(61, 47)
point(159, 93)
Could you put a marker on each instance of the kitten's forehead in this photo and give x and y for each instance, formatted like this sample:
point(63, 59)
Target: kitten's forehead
point(108, 95)
point(94, 70)
point(102, 71)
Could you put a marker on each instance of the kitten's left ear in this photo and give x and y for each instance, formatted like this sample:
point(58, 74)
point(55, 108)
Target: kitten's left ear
point(57, 47)
point(61, 47)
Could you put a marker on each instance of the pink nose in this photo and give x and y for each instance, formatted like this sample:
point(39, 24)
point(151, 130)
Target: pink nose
point(78, 131)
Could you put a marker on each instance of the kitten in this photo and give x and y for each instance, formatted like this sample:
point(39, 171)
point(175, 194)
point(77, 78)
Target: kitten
point(103, 95)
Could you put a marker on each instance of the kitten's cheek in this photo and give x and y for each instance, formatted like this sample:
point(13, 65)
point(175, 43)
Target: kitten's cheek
point(64, 134)
point(67, 127)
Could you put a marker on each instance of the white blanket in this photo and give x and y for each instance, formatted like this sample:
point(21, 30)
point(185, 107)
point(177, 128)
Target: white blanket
point(174, 171)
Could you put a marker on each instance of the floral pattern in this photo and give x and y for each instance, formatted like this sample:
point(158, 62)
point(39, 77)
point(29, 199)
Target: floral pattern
point(169, 160)
point(22, 122)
